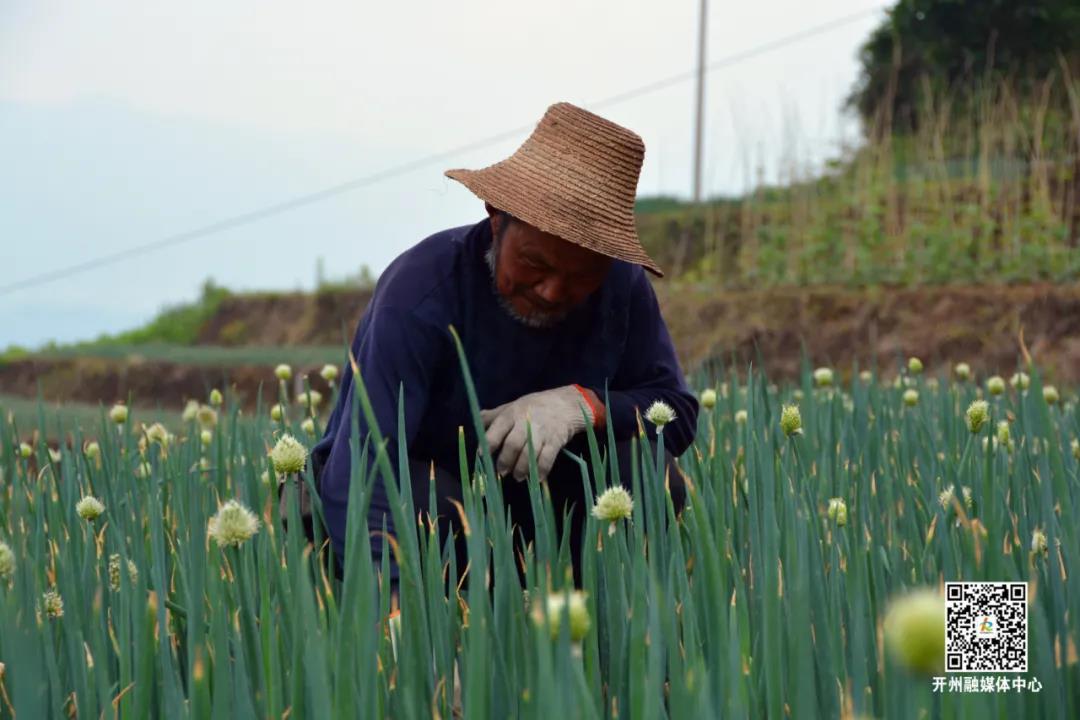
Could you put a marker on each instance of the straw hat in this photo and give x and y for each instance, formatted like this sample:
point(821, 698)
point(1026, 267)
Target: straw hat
point(575, 177)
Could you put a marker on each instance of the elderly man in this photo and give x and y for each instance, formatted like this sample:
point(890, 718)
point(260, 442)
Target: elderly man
point(551, 303)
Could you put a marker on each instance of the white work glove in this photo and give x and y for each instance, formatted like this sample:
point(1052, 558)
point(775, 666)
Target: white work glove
point(555, 417)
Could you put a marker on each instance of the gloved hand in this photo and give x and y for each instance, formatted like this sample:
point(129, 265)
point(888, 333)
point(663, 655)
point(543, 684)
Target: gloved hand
point(555, 416)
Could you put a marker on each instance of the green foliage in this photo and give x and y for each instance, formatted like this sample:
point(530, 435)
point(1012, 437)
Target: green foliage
point(752, 603)
point(178, 325)
point(940, 44)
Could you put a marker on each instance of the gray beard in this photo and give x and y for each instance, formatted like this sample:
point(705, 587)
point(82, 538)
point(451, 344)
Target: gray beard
point(539, 320)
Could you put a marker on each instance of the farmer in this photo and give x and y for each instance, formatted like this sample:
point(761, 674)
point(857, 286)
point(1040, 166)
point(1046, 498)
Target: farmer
point(550, 300)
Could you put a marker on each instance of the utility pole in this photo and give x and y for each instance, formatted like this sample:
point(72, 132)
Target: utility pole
point(700, 104)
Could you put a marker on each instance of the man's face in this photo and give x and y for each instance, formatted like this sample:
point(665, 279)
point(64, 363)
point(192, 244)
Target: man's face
point(539, 277)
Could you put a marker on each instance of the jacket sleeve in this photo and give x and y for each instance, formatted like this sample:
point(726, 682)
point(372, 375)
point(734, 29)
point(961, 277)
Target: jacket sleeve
point(649, 371)
point(391, 347)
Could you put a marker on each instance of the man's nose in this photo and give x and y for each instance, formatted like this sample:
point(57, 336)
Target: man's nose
point(553, 290)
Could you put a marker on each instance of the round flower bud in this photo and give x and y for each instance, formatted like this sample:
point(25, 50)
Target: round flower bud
point(215, 398)
point(838, 511)
point(25, 450)
point(308, 426)
point(275, 413)
point(708, 398)
point(1038, 541)
point(119, 414)
point(914, 365)
point(288, 455)
point(1003, 434)
point(791, 420)
point(823, 377)
point(1050, 395)
point(978, 414)
point(740, 417)
point(866, 377)
point(283, 372)
point(577, 610)
point(329, 373)
point(54, 455)
point(911, 397)
point(233, 524)
point(53, 604)
point(89, 508)
point(190, 409)
point(797, 394)
point(660, 414)
point(1020, 381)
point(206, 437)
point(92, 450)
point(7, 561)
point(962, 371)
point(915, 630)
point(995, 385)
point(265, 477)
point(314, 397)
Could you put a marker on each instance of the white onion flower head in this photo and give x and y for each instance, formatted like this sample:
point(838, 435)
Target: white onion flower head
point(576, 609)
point(206, 437)
point(157, 433)
point(233, 524)
point(1050, 395)
point(25, 450)
point(1038, 541)
point(977, 415)
point(797, 394)
point(215, 397)
point(708, 398)
point(995, 385)
point(288, 455)
point(838, 511)
point(1020, 381)
point(92, 450)
point(865, 376)
point(613, 505)
point(1003, 434)
point(329, 373)
point(283, 372)
point(660, 414)
point(7, 561)
point(914, 365)
point(308, 426)
point(740, 417)
point(119, 413)
point(207, 417)
point(791, 420)
point(53, 604)
point(823, 377)
point(190, 409)
point(54, 455)
point(962, 371)
point(89, 508)
point(114, 571)
point(911, 397)
point(275, 413)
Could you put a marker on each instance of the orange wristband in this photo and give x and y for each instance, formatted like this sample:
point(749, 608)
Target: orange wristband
point(592, 408)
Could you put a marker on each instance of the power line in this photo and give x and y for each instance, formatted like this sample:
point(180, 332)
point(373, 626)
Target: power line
point(313, 197)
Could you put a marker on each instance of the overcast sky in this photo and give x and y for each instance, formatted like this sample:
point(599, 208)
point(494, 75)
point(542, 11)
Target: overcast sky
point(125, 122)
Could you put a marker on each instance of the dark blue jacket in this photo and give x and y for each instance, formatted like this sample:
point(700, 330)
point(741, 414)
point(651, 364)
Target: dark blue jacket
point(616, 335)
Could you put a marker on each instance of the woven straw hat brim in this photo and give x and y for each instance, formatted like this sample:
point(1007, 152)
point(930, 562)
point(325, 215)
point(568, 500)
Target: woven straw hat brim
point(575, 178)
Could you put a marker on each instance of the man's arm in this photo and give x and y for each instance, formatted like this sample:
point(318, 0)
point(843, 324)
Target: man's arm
point(391, 347)
point(649, 371)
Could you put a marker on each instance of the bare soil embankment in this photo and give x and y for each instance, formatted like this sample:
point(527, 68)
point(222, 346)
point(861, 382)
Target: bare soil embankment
point(979, 325)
